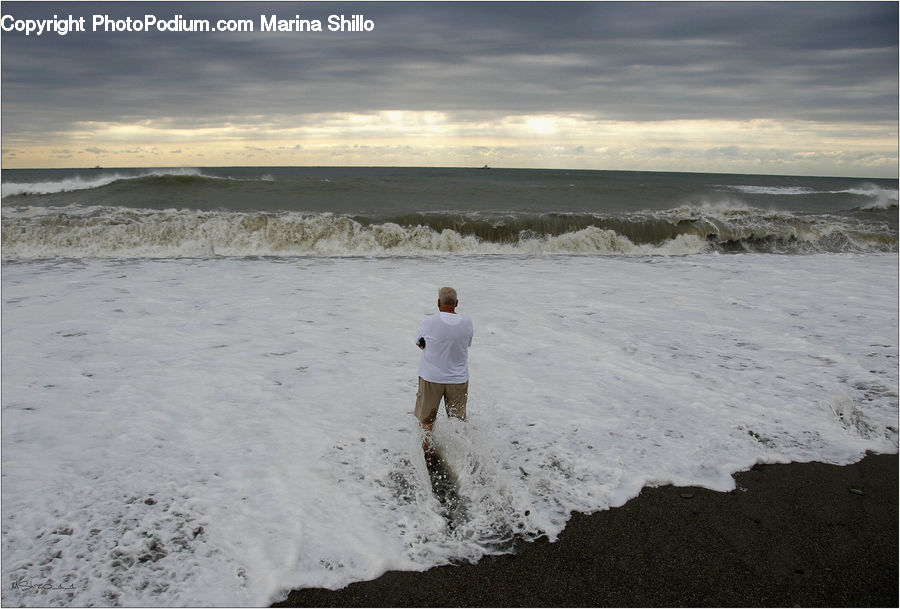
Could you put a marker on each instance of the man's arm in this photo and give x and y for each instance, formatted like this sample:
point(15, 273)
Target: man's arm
point(420, 338)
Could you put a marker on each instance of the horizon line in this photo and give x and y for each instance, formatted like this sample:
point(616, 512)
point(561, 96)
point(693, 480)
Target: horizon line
point(472, 167)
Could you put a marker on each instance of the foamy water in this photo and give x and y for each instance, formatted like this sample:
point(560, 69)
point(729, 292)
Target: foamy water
point(120, 232)
point(218, 431)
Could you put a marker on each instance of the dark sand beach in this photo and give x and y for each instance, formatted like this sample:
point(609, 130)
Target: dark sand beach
point(808, 535)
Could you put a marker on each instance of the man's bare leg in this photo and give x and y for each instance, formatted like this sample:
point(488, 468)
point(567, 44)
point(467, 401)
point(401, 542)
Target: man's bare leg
point(428, 444)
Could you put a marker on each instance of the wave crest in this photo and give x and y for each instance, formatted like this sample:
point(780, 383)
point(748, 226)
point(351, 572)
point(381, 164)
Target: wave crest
point(115, 232)
point(8, 189)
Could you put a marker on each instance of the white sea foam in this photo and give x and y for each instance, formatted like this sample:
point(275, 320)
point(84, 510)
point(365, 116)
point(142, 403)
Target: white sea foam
point(108, 232)
point(772, 190)
point(215, 432)
point(883, 197)
point(119, 232)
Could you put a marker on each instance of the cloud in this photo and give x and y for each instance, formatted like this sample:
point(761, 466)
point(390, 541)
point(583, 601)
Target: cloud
point(438, 71)
point(620, 61)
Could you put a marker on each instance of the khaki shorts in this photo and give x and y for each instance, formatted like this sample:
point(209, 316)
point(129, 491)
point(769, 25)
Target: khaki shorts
point(428, 400)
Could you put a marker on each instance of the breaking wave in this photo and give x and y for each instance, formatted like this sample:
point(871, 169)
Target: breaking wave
point(76, 183)
point(116, 232)
point(882, 198)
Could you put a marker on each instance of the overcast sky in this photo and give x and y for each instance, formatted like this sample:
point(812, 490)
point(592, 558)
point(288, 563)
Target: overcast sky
point(795, 88)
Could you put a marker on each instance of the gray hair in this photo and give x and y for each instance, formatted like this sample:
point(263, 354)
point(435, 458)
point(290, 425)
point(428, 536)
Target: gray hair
point(447, 296)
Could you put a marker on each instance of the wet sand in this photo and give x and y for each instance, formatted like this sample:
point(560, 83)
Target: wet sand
point(808, 535)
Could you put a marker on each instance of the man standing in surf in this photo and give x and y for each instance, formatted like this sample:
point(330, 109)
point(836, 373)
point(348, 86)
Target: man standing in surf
point(445, 339)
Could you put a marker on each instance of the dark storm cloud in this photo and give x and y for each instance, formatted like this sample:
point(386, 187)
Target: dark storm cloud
point(624, 61)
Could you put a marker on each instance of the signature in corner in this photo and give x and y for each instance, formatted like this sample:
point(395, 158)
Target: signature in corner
point(23, 583)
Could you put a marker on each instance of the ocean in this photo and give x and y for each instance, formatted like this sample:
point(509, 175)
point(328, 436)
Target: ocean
point(208, 374)
point(142, 213)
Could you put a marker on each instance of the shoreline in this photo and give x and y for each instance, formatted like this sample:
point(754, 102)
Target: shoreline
point(796, 534)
